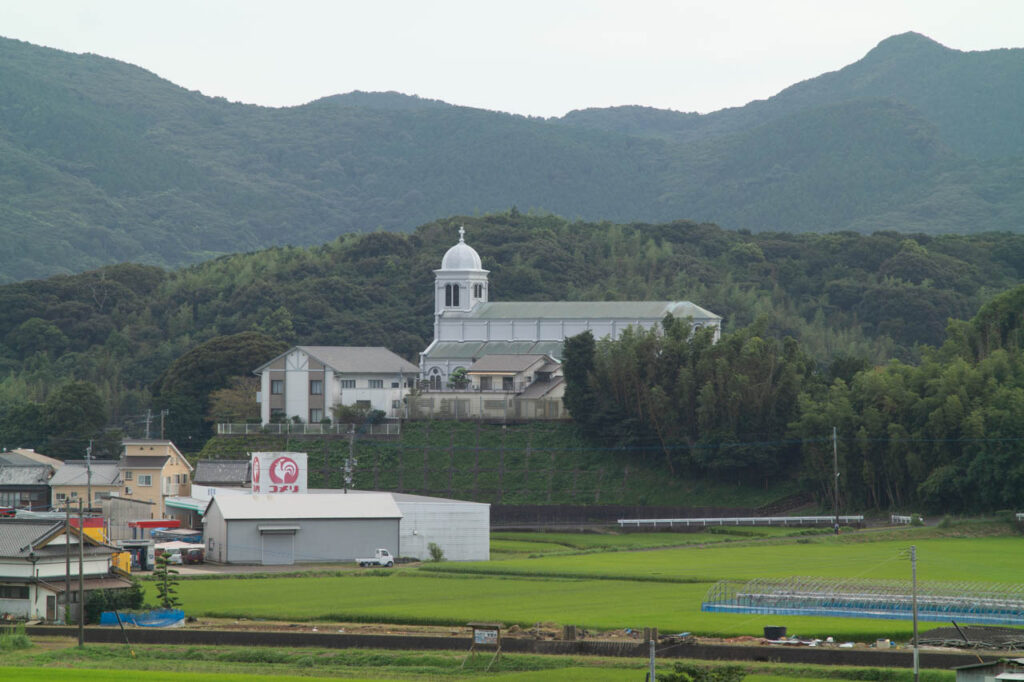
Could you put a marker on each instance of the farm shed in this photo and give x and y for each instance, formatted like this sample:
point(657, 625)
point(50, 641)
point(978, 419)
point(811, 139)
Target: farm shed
point(462, 529)
point(1003, 669)
point(299, 527)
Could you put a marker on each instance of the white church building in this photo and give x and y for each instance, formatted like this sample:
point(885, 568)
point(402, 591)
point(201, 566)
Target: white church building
point(469, 327)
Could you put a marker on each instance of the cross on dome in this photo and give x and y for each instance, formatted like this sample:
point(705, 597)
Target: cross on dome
point(462, 233)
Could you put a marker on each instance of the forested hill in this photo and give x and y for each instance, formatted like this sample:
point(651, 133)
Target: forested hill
point(145, 338)
point(103, 162)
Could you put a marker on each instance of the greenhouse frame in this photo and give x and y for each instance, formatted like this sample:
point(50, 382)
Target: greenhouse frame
point(965, 602)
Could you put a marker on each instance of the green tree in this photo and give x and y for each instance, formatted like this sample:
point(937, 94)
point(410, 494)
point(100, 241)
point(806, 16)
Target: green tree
point(166, 583)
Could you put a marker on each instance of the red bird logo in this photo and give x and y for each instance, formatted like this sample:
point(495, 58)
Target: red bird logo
point(284, 470)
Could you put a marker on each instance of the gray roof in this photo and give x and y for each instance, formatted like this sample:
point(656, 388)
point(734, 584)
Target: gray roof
point(22, 537)
point(306, 506)
point(506, 363)
point(473, 350)
point(17, 535)
point(15, 459)
point(104, 472)
point(25, 475)
point(539, 389)
point(355, 359)
point(145, 461)
point(566, 310)
point(214, 471)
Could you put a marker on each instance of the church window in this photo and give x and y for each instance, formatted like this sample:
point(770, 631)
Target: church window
point(376, 383)
point(448, 295)
point(455, 295)
point(478, 291)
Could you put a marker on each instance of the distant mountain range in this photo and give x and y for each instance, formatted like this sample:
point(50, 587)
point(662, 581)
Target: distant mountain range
point(104, 162)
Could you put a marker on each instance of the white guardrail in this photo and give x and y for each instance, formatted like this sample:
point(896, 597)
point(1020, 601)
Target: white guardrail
point(904, 519)
point(385, 429)
point(744, 521)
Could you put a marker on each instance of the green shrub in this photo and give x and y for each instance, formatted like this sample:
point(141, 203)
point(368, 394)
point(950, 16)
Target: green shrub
point(916, 520)
point(436, 553)
point(946, 522)
point(14, 638)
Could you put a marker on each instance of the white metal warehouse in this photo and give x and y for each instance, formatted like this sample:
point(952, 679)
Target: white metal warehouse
point(299, 527)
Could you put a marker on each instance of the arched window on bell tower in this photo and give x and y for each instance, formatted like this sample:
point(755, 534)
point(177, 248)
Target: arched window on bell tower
point(451, 295)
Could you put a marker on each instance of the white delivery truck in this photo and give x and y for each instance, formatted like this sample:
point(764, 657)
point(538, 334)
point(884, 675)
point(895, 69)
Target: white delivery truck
point(381, 557)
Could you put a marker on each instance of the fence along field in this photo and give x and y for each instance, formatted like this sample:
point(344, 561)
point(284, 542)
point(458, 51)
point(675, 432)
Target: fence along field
point(607, 590)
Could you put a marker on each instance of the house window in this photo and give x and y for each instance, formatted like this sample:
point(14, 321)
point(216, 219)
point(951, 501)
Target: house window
point(145, 479)
point(396, 404)
point(315, 415)
point(13, 592)
point(127, 475)
point(485, 383)
point(506, 384)
point(73, 494)
point(316, 387)
point(395, 384)
point(363, 404)
point(376, 383)
point(127, 491)
point(348, 383)
point(61, 497)
point(277, 387)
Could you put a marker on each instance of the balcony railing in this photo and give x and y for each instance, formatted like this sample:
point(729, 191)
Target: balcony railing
point(385, 429)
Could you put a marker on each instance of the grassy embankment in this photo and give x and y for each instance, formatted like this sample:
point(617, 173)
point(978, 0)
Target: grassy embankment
point(61, 660)
point(533, 463)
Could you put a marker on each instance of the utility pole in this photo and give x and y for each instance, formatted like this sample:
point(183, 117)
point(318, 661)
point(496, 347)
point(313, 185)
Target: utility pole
point(913, 581)
point(163, 413)
point(149, 420)
point(650, 674)
point(835, 477)
point(81, 575)
point(67, 562)
point(88, 473)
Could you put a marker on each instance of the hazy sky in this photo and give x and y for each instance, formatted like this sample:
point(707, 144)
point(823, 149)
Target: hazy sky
point(535, 57)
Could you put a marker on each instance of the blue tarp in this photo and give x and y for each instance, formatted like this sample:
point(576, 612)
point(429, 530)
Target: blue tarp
point(161, 618)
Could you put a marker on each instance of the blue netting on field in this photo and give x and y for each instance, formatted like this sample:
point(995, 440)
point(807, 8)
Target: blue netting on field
point(161, 618)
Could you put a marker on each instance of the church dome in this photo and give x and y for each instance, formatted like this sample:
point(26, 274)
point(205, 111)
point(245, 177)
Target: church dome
point(462, 256)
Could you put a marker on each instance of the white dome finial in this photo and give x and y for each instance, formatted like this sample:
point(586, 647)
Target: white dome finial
point(462, 233)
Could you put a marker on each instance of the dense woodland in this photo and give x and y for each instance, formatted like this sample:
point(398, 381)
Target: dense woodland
point(942, 435)
point(837, 329)
point(102, 162)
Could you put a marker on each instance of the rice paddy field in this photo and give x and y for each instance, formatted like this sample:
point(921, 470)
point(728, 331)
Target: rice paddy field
point(601, 582)
point(612, 582)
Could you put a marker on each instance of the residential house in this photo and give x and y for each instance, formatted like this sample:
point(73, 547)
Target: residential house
point(32, 568)
point(152, 470)
point(501, 387)
point(24, 482)
point(73, 480)
point(305, 382)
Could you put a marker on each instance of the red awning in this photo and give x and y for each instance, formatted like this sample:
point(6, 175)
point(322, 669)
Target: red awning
point(156, 523)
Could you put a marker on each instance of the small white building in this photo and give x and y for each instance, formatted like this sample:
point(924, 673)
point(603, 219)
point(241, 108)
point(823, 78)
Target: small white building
point(307, 381)
point(299, 527)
